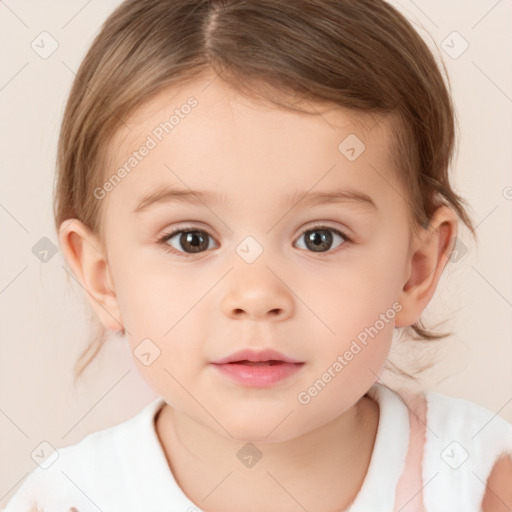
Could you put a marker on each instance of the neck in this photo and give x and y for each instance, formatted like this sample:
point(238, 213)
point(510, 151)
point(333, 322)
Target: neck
point(320, 470)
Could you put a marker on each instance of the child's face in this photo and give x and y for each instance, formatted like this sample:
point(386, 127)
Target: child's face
point(255, 163)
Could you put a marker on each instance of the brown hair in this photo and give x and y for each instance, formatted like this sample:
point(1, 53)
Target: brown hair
point(359, 54)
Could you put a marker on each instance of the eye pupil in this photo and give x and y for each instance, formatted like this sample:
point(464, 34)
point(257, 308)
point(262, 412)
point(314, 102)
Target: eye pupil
point(195, 240)
point(321, 239)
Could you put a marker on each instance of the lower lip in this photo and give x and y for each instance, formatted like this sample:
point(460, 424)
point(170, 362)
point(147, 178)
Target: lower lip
point(258, 376)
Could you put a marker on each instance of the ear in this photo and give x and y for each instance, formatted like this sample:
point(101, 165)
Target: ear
point(430, 251)
point(87, 259)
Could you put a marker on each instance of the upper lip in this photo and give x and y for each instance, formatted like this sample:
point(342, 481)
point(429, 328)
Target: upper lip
point(256, 356)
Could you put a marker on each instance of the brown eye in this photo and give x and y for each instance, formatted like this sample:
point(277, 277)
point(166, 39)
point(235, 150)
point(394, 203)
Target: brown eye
point(321, 238)
point(188, 241)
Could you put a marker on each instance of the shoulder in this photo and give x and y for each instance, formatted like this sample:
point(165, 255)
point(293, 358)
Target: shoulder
point(53, 484)
point(448, 410)
point(498, 491)
point(467, 422)
point(468, 449)
point(66, 474)
point(95, 466)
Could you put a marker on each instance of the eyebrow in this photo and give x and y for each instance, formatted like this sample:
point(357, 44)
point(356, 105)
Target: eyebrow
point(166, 195)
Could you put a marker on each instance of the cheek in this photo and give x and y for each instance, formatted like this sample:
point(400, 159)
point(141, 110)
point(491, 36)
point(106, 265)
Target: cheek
point(357, 304)
point(360, 346)
point(153, 298)
point(340, 380)
point(347, 299)
point(164, 306)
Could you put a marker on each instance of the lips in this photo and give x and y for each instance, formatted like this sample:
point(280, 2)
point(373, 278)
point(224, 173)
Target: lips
point(257, 358)
point(257, 369)
point(257, 363)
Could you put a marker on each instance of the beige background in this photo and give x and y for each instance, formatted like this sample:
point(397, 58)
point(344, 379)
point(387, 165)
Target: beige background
point(44, 318)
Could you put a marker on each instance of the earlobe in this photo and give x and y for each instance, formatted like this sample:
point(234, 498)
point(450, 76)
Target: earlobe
point(87, 260)
point(430, 251)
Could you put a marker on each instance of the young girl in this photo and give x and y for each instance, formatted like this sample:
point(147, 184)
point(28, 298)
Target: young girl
point(256, 194)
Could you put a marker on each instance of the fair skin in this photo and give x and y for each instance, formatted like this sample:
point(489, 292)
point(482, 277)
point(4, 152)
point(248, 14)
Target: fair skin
point(308, 305)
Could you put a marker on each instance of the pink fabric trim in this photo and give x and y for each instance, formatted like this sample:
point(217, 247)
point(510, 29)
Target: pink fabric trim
point(409, 491)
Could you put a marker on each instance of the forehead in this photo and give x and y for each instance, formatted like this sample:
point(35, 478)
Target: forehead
point(205, 135)
point(215, 101)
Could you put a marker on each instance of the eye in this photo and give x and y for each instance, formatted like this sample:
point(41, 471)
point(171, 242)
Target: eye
point(187, 241)
point(320, 238)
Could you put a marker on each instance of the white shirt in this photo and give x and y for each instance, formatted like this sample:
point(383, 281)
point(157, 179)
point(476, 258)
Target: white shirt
point(124, 468)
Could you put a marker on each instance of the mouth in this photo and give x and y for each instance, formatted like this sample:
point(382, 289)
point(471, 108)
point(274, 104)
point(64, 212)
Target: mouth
point(253, 358)
point(257, 363)
point(257, 369)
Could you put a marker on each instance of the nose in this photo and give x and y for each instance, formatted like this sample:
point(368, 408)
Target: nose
point(257, 295)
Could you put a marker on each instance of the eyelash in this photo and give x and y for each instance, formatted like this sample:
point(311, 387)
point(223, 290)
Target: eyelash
point(167, 236)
